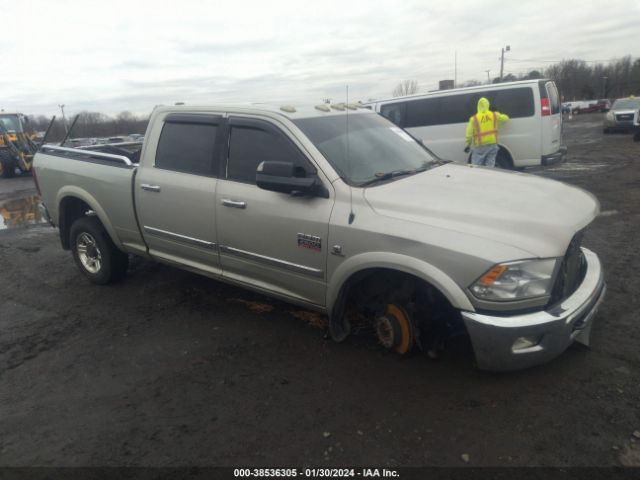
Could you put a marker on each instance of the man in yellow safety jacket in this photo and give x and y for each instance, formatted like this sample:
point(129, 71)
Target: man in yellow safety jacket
point(482, 134)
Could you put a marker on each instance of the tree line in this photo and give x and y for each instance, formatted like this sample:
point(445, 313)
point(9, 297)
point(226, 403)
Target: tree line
point(91, 124)
point(576, 79)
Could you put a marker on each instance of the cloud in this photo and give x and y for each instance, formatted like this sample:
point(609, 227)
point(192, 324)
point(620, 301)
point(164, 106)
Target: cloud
point(134, 55)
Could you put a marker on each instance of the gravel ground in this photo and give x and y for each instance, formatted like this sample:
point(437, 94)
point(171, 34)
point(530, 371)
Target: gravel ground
point(170, 369)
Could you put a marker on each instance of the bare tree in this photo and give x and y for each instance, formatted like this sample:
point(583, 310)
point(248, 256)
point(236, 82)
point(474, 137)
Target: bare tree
point(406, 87)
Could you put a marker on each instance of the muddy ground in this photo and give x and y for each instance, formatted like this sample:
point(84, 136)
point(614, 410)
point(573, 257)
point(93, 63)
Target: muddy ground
point(169, 368)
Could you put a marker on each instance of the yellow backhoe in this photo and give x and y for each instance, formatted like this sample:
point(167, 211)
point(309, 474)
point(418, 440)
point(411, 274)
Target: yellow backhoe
point(17, 147)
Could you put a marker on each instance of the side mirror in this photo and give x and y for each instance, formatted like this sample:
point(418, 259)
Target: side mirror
point(286, 177)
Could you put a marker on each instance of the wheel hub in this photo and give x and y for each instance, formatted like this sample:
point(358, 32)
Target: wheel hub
point(89, 253)
point(395, 330)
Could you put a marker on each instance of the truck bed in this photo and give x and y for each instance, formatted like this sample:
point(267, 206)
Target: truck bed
point(103, 181)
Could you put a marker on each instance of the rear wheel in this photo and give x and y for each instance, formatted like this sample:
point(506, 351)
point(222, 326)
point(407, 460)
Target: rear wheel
point(94, 253)
point(7, 167)
point(503, 161)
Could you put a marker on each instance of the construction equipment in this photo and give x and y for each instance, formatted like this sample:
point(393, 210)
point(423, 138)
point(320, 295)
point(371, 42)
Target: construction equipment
point(17, 148)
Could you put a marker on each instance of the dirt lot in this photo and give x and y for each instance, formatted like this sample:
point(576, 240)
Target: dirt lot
point(169, 368)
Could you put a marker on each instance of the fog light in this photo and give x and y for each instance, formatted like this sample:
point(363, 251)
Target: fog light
point(525, 342)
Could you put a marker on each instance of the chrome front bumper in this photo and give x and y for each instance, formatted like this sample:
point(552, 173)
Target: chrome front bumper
point(551, 331)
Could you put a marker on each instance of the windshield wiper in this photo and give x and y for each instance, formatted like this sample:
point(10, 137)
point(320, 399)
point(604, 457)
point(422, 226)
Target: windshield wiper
point(381, 177)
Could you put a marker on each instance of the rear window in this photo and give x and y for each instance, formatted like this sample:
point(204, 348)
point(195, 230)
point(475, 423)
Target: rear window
point(450, 109)
point(187, 147)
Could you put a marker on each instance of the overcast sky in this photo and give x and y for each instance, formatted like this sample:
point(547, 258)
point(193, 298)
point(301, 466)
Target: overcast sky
point(113, 55)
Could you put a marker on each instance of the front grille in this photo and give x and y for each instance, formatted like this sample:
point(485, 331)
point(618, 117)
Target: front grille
point(571, 271)
point(625, 117)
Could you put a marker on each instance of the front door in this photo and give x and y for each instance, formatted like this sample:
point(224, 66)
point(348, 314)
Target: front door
point(275, 241)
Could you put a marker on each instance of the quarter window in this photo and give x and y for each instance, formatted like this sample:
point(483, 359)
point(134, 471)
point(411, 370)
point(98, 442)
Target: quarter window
point(187, 147)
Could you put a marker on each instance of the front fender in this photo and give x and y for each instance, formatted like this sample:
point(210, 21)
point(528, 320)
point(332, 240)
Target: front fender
point(403, 263)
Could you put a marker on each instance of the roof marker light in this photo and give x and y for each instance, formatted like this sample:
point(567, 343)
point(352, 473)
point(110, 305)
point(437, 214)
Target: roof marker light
point(288, 109)
point(338, 106)
point(323, 108)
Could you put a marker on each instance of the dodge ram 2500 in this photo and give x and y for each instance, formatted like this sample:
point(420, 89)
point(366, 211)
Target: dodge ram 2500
point(338, 210)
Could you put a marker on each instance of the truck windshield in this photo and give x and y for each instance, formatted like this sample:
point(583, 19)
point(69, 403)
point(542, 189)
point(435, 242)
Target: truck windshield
point(377, 148)
point(622, 103)
point(11, 123)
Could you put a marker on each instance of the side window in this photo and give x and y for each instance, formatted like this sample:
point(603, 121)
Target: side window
point(423, 112)
point(515, 102)
point(249, 146)
point(395, 112)
point(187, 147)
point(458, 108)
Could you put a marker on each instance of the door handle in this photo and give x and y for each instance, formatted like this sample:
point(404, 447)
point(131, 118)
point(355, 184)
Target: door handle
point(233, 203)
point(150, 188)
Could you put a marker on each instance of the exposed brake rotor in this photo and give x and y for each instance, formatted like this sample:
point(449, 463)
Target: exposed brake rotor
point(395, 330)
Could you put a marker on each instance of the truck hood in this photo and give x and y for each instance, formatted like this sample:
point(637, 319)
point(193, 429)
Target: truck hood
point(528, 212)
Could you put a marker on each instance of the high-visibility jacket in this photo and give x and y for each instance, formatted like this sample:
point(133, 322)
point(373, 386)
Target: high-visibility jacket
point(482, 128)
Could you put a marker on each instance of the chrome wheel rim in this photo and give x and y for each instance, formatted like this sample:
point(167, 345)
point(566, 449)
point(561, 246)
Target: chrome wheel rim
point(89, 253)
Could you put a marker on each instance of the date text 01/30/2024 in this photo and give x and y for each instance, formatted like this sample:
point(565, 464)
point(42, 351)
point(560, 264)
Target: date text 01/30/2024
point(315, 472)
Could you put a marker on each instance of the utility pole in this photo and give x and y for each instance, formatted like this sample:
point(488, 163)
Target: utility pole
point(488, 78)
point(64, 119)
point(604, 87)
point(455, 69)
point(504, 49)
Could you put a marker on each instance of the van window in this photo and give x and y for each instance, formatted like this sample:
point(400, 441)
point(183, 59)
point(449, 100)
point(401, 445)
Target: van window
point(186, 147)
point(250, 146)
point(515, 102)
point(395, 112)
point(450, 109)
point(423, 112)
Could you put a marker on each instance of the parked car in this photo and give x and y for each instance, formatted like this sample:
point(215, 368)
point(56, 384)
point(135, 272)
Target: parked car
point(620, 117)
point(532, 137)
point(604, 105)
point(271, 199)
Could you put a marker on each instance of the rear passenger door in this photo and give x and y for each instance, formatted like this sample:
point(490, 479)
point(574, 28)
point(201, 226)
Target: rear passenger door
point(175, 191)
point(269, 240)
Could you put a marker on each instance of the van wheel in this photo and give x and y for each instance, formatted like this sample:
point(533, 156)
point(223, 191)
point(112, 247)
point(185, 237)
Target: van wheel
point(7, 168)
point(503, 161)
point(94, 253)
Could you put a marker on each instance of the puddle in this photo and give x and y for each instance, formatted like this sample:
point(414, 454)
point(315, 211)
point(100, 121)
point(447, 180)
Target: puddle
point(18, 212)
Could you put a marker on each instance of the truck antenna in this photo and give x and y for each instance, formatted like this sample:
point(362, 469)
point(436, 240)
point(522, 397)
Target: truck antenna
point(352, 215)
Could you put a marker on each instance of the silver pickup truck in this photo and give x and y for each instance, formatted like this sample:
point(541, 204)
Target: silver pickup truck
point(338, 210)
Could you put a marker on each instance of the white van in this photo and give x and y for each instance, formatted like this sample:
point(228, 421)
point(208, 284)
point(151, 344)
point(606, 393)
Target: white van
point(533, 136)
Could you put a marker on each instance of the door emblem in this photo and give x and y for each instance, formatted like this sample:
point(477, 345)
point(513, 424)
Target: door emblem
point(311, 242)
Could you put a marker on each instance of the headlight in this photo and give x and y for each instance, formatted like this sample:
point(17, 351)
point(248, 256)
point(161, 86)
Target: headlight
point(610, 116)
point(516, 280)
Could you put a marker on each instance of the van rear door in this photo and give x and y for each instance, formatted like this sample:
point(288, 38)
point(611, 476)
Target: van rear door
point(551, 122)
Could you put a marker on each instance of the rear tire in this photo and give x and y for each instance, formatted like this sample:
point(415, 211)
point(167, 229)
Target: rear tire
point(503, 161)
point(7, 166)
point(95, 253)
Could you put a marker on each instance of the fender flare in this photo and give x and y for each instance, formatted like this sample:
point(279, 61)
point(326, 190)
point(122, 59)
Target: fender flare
point(81, 194)
point(392, 261)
